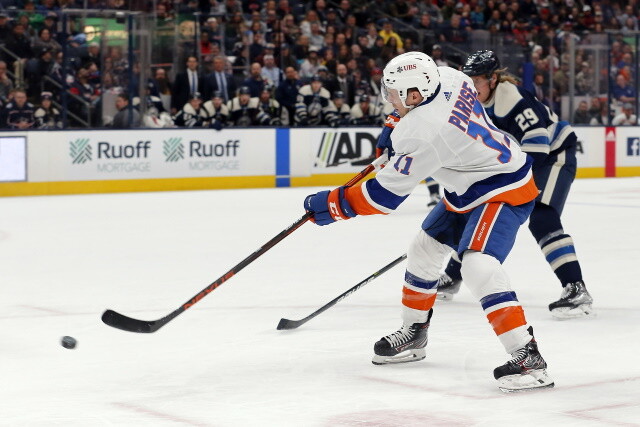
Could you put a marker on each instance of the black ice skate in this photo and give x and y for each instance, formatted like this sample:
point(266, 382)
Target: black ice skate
point(574, 302)
point(526, 371)
point(434, 200)
point(405, 345)
point(447, 287)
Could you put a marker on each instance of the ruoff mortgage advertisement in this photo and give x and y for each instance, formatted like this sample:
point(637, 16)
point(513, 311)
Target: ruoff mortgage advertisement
point(140, 154)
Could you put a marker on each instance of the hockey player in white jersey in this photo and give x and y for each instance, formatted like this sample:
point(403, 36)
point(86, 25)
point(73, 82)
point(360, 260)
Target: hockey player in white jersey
point(489, 193)
point(552, 145)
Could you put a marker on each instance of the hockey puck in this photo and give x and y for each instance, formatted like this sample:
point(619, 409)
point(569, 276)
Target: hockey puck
point(69, 342)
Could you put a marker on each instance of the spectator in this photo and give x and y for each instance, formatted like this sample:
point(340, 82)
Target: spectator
point(192, 114)
point(454, 32)
point(87, 95)
point(256, 48)
point(344, 10)
point(539, 89)
point(316, 37)
point(36, 69)
point(5, 27)
point(428, 29)
point(343, 82)
point(216, 111)
point(581, 116)
point(343, 109)
point(390, 50)
point(219, 80)
point(622, 91)
point(284, 9)
point(301, 48)
point(212, 27)
point(287, 91)
point(270, 72)
point(310, 65)
point(374, 86)
point(18, 114)
point(329, 61)
point(46, 115)
point(400, 9)
point(626, 116)
point(44, 41)
point(387, 33)
point(6, 84)
point(314, 106)
point(243, 109)
point(186, 83)
point(127, 117)
point(477, 17)
point(436, 55)
point(333, 20)
point(561, 78)
point(270, 112)
point(595, 112)
point(18, 44)
point(255, 82)
point(310, 19)
point(364, 113)
point(287, 59)
point(585, 80)
point(161, 82)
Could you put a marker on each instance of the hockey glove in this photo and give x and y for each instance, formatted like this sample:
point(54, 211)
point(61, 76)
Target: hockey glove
point(328, 206)
point(384, 140)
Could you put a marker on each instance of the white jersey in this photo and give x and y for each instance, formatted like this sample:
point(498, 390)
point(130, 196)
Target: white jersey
point(450, 138)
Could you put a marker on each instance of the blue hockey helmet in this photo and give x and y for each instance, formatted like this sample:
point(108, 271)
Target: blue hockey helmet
point(482, 62)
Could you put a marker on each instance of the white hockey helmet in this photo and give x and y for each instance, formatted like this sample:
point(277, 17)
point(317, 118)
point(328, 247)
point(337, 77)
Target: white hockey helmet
point(410, 70)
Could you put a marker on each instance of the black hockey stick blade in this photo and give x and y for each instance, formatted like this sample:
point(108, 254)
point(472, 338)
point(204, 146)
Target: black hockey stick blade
point(286, 324)
point(120, 321)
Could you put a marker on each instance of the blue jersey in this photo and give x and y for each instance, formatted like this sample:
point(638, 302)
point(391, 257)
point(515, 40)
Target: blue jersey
point(538, 130)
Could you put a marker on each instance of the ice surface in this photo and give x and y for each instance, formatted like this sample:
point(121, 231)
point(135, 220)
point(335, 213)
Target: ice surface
point(65, 259)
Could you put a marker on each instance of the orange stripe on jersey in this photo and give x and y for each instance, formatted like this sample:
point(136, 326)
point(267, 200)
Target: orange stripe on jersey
point(518, 196)
point(391, 121)
point(417, 300)
point(481, 233)
point(506, 319)
point(358, 202)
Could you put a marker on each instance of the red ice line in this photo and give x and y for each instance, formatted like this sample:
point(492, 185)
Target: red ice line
point(579, 413)
point(157, 414)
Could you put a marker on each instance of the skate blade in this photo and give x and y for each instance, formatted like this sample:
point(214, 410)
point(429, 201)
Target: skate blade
point(566, 313)
point(414, 355)
point(444, 296)
point(533, 380)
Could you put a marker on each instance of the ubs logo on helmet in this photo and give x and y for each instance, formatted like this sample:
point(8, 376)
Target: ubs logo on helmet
point(407, 68)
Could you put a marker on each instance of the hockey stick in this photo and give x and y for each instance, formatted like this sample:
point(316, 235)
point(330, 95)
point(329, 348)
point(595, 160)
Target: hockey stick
point(120, 321)
point(292, 324)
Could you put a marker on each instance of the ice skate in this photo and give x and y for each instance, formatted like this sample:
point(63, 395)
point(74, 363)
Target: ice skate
point(405, 345)
point(574, 302)
point(435, 198)
point(526, 371)
point(447, 287)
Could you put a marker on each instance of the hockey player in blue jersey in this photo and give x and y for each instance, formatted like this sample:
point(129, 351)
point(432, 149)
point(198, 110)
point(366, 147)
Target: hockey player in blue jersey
point(552, 145)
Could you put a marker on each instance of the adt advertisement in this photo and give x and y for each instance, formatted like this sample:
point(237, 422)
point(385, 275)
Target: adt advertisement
point(13, 160)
